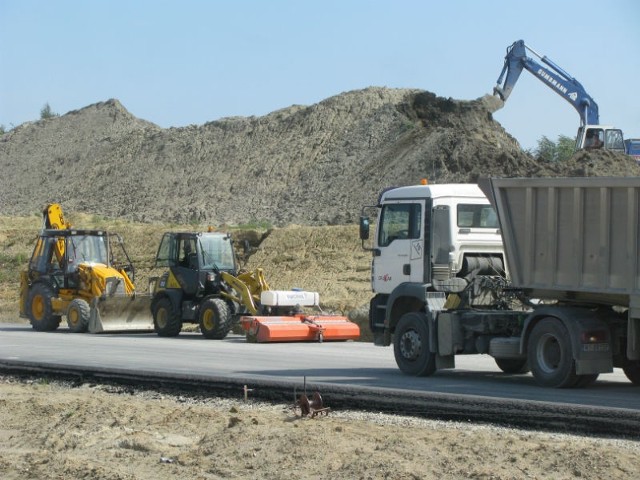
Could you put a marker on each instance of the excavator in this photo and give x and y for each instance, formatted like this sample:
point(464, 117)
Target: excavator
point(591, 135)
point(203, 285)
point(72, 272)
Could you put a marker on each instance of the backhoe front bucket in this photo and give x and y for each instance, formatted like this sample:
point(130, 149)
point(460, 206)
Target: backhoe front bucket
point(121, 313)
point(299, 328)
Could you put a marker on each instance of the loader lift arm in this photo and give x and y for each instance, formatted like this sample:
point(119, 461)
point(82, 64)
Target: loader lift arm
point(551, 75)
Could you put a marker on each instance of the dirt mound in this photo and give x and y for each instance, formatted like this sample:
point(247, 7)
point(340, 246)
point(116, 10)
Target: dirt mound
point(309, 165)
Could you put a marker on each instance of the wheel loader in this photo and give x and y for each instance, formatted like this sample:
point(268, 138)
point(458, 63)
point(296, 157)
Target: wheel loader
point(202, 285)
point(73, 273)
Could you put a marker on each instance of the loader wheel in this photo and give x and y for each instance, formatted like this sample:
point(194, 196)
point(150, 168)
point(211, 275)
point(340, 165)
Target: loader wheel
point(78, 315)
point(411, 345)
point(550, 355)
point(40, 310)
point(215, 318)
point(166, 321)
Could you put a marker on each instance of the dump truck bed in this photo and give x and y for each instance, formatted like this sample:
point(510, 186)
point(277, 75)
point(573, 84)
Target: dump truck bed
point(571, 238)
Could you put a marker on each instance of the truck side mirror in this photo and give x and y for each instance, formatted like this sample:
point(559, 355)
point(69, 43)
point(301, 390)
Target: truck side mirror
point(364, 228)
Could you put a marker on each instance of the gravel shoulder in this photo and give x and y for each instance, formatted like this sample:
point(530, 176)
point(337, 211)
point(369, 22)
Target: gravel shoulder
point(52, 430)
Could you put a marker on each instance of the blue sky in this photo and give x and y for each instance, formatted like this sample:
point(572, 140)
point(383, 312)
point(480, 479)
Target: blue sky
point(177, 63)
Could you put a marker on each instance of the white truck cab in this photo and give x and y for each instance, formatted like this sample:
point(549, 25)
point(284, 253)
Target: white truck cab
point(430, 234)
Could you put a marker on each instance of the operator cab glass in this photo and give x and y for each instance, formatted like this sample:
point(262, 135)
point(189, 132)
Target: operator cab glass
point(216, 252)
point(85, 249)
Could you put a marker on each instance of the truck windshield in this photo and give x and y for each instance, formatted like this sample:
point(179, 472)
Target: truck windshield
point(217, 251)
point(477, 216)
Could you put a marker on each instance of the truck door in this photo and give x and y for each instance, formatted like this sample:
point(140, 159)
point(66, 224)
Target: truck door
point(399, 253)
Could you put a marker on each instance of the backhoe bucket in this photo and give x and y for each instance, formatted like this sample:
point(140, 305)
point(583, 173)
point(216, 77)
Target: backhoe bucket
point(121, 313)
point(299, 328)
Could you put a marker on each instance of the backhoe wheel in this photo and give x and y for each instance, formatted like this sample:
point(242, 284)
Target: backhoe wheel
point(411, 345)
point(78, 315)
point(513, 365)
point(215, 318)
point(166, 321)
point(550, 355)
point(40, 310)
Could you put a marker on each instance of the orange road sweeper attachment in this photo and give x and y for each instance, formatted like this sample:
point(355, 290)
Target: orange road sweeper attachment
point(286, 322)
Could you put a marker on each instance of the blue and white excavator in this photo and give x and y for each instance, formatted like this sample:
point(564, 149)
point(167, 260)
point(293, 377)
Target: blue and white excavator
point(591, 134)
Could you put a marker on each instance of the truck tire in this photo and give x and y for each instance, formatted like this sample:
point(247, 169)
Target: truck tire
point(41, 314)
point(631, 369)
point(78, 315)
point(513, 365)
point(550, 356)
point(166, 321)
point(411, 345)
point(215, 318)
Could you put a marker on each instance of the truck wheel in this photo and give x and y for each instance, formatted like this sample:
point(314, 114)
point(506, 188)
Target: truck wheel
point(631, 369)
point(166, 322)
point(40, 310)
point(550, 356)
point(215, 318)
point(586, 380)
point(513, 365)
point(78, 315)
point(411, 345)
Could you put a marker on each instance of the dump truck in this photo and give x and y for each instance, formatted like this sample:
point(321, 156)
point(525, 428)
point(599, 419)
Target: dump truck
point(204, 285)
point(73, 273)
point(542, 274)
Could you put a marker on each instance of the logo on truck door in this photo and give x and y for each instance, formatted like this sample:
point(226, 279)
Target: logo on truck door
point(416, 249)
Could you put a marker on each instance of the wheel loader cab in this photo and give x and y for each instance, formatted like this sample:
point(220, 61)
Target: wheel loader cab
point(190, 291)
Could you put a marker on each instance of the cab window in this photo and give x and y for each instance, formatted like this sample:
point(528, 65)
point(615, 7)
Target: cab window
point(399, 221)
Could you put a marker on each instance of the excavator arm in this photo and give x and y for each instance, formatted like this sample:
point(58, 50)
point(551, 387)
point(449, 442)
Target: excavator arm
point(551, 75)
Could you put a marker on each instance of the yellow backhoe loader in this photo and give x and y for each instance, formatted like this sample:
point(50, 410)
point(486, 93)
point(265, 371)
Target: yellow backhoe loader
point(72, 273)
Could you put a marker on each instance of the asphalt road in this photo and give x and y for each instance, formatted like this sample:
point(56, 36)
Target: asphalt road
point(346, 364)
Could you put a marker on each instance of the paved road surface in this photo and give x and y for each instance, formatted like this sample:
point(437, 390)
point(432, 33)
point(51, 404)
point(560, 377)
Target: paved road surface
point(348, 364)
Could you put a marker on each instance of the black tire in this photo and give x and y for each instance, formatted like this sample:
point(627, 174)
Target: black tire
point(40, 310)
point(78, 315)
point(411, 345)
point(550, 355)
point(631, 369)
point(214, 318)
point(584, 381)
point(513, 365)
point(166, 321)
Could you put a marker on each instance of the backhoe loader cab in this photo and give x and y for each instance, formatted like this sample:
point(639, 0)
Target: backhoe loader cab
point(192, 289)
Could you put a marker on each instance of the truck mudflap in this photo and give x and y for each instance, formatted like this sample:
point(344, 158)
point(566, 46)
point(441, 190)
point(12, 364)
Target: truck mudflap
point(121, 313)
point(299, 328)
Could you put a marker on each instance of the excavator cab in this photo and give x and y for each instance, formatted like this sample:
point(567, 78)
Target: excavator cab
point(594, 137)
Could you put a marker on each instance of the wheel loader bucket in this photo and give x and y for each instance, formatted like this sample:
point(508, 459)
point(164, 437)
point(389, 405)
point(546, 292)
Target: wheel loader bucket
point(121, 313)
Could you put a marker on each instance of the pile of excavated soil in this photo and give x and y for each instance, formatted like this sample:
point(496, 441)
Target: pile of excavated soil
point(309, 165)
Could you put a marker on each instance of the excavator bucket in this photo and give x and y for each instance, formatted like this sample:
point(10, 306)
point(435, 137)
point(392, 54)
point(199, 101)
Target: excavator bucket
point(121, 313)
point(299, 328)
